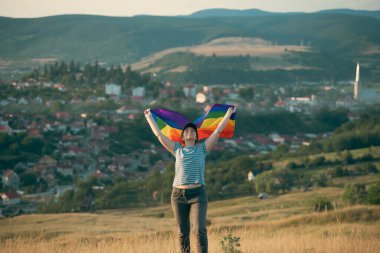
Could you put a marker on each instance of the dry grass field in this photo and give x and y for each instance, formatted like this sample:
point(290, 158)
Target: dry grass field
point(270, 55)
point(285, 223)
point(374, 151)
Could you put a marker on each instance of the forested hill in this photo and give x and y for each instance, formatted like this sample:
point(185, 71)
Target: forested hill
point(116, 40)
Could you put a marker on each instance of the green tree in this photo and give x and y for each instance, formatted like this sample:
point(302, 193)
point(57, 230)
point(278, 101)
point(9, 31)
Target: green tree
point(28, 179)
point(153, 158)
point(316, 161)
point(354, 193)
point(339, 171)
point(154, 184)
point(32, 145)
point(275, 181)
point(246, 93)
point(373, 194)
point(347, 158)
point(328, 120)
point(321, 180)
point(4, 142)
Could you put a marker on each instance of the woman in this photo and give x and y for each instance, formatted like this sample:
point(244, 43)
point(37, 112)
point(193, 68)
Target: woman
point(189, 194)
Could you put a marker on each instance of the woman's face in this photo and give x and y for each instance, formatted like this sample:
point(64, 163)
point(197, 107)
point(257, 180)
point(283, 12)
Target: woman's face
point(189, 134)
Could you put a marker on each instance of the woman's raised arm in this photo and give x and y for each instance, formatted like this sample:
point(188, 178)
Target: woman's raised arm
point(165, 141)
point(213, 138)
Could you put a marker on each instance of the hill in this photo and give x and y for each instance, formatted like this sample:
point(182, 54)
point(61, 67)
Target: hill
point(245, 60)
point(235, 46)
point(279, 224)
point(128, 39)
point(257, 12)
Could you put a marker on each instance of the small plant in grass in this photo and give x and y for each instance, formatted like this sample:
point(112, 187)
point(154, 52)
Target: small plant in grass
point(230, 244)
point(322, 204)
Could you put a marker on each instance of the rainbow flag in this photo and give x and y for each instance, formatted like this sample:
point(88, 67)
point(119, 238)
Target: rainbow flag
point(171, 123)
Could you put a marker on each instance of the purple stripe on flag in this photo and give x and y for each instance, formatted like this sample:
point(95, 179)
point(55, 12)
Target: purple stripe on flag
point(174, 119)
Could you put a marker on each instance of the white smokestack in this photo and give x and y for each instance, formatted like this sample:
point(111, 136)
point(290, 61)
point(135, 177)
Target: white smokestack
point(356, 84)
point(357, 73)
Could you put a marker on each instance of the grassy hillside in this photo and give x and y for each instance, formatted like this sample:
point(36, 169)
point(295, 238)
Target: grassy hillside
point(127, 39)
point(331, 156)
point(245, 60)
point(271, 56)
point(278, 224)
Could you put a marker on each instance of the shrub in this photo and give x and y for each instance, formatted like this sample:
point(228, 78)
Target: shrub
point(364, 169)
point(291, 165)
point(322, 203)
point(370, 168)
point(347, 158)
point(321, 180)
point(354, 193)
point(317, 161)
point(275, 181)
point(373, 194)
point(366, 157)
point(340, 172)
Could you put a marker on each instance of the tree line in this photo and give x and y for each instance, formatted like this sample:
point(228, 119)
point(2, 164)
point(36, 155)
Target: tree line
point(93, 75)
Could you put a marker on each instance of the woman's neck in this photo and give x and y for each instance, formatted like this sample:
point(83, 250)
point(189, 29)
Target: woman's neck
point(189, 143)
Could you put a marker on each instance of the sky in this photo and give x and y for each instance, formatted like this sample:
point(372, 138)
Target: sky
point(42, 8)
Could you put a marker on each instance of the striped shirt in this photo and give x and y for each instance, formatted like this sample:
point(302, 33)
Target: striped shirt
point(189, 164)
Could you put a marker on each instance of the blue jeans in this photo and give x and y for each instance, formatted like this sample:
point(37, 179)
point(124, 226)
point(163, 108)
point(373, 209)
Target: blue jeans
point(191, 201)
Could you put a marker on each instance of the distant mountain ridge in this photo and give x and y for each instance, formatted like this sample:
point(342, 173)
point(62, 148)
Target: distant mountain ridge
point(126, 40)
point(256, 12)
point(231, 12)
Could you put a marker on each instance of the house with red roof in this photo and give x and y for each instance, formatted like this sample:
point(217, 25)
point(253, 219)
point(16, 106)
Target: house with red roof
point(65, 170)
point(127, 109)
point(5, 129)
point(70, 138)
point(48, 161)
point(166, 93)
point(34, 133)
point(100, 175)
point(10, 198)
point(280, 103)
point(59, 86)
point(75, 151)
point(62, 115)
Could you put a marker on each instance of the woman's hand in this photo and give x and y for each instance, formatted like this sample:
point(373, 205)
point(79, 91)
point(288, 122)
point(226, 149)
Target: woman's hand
point(232, 109)
point(147, 113)
point(165, 141)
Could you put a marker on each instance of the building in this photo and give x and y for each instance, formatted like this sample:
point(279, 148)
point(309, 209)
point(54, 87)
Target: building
point(65, 170)
point(251, 177)
point(48, 161)
point(10, 198)
point(5, 129)
point(138, 92)
point(59, 86)
point(113, 89)
point(11, 179)
point(189, 90)
point(127, 109)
